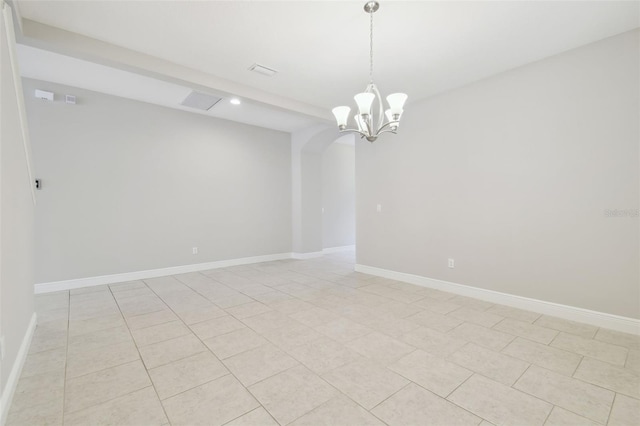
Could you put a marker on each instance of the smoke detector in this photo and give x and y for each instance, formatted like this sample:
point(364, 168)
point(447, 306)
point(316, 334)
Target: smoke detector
point(261, 69)
point(199, 100)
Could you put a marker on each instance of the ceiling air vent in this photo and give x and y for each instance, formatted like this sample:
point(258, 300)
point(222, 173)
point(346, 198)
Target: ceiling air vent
point(200, 100)
point(260, 69)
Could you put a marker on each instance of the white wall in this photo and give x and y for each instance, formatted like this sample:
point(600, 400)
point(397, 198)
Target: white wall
point(338, 195)
point(129, 186)
point(511, 177)
point(16, 226)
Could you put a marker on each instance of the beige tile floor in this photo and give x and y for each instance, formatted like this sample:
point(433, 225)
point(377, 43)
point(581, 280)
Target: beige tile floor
point(313, 343)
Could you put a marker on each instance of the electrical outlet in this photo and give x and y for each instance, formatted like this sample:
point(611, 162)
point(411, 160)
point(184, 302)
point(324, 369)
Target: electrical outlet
point(194, 250)
point(451, 263)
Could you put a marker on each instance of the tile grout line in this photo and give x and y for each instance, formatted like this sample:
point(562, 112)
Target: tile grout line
point(140, 358)
point(219, 360)
point(66, 358)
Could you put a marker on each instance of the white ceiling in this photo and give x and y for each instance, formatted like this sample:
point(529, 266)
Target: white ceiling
point(321, 48)
point(48, 66)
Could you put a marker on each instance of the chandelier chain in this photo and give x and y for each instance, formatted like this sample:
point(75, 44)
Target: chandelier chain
point(371, 46)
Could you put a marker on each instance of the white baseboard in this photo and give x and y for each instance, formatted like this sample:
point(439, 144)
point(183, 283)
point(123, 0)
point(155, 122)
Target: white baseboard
point(152, 273)
point(599, 319)
point(338, 249)
point(16, 370)
point(310, 255)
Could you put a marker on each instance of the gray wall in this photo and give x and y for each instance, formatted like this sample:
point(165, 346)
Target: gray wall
point(16, 220)
point(511, 177)
point(129, 186)
point(338, 195)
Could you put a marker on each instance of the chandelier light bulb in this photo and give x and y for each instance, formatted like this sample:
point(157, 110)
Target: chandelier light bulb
point(342, 115)
point(364, 102)
point(396, 102)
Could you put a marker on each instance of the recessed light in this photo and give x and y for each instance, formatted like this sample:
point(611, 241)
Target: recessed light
point(235, 101)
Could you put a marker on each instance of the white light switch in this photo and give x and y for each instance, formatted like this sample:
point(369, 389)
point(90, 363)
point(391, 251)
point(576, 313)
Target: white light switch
point(194, 250)
point(451, 263)
point(379, 208)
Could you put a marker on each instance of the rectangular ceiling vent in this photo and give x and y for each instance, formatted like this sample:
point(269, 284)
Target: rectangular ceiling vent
point(199, 100)
point(260, 69)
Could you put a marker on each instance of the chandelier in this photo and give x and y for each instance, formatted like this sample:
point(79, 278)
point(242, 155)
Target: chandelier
point(370, 118)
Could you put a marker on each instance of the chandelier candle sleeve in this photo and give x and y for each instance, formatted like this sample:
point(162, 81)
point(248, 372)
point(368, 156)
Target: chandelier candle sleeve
point(371, 113)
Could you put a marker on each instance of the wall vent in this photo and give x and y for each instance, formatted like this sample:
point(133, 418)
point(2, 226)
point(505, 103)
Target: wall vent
point(70, 99)
point(199, 100)
point(261, 69)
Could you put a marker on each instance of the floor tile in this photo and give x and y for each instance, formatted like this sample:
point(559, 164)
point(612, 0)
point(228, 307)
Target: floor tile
point(625, 411)
point(213, 403)
point(292, 393)
point(248, 309)
point(151, 319)
point(432, 341)
point(617, 379)
point(45, 362)
point(126, 286)
point(492, 339)
point(494, 365)
point(574, 395)
point(49, 414)
point(268, 321)
point(44, 388)
point(338, 411)
point(365, 382)
point(553, 359)
point(95, 324)
point(435, 321)
point(291, 336)
point(160, 333)
point(99, 339)
point(45, 339)
point(572, 327)
point(633, 360)
point(104, 385)
point(475, 316)
point(525, 330)
point(192, 315)
point(436, 305)
point(171, 350)
point(217, 326)
point(314, 317)
point(380, 348)
point(257, 417)
point(561, 417)
point(343, 330)
point(629, 341)
point(81, 362)
point(470, 302)
point(592, 348)
point(323, 354)
point(187, 373)
point(138, 408)
point(498, 403)
point(235, 342)
point(514, 313)
point(416, 406)
point(258, 364)
point(431, 372)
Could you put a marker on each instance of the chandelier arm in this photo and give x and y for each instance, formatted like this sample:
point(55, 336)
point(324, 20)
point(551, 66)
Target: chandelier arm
point(362, 134)
point(389, 123)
